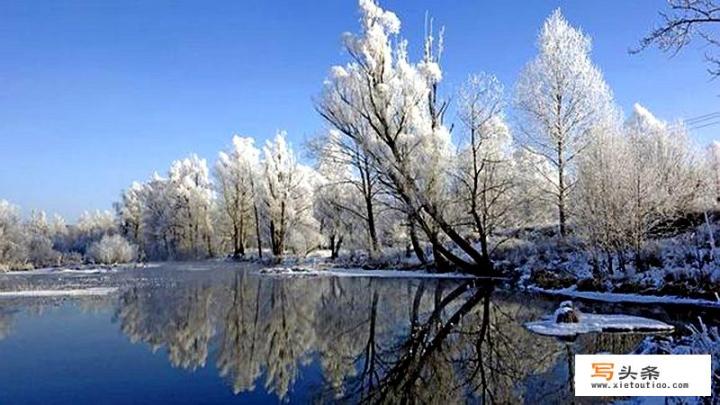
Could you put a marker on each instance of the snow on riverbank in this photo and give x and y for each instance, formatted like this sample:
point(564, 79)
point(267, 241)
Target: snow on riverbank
point(357, 272)
point(628, 298)
point(591, 323)
point(84, 269)
point(81, 292)
point(54, 270)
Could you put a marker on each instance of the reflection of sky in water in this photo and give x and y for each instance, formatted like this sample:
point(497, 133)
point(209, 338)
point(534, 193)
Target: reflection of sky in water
point(208, 336)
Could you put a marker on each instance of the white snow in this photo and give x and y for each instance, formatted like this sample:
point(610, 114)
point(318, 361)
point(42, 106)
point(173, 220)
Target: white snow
point(54, 270)
point(86, 271)
point(92, 291)
point(590, 323)
point(357, 272)
point(562, 310)
point(630, 298)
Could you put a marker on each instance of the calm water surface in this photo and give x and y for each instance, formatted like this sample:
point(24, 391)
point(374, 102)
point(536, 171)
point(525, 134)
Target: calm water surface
point(218, 333)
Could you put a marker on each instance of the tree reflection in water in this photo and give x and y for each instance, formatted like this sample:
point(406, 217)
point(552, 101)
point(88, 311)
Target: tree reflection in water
point(374, 340)
point(6, 322)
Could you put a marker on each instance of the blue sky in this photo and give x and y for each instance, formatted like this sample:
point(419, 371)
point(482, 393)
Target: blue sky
point(96, 94)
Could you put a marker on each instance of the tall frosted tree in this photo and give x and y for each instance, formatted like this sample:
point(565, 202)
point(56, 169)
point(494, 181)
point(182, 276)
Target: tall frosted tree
point(345, 165)
point(158, 219)
point(40, 240)
point(713, 162)
point(287, 196)
point(13, 247)
point(236, 172)
point(562, 98)
point(384, 103)
point(485, 169)
point(666, 177)
point(129, 212)
point(340, 201)
point(192, 199)
point(634, 182)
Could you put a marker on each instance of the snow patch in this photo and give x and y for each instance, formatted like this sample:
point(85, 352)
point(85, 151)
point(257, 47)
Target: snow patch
point(357, 272)
point(590, 323)
point(86, 271)
point(93, 291)
point(54, 270)
point(629, 298)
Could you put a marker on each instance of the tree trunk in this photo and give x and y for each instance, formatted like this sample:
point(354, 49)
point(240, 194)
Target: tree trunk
point(335, 243)
point(257, 230)
point(561, 188)
point(236, 241)
point(371, 225)
point(208, 242)
point(442, 265)
point(367, 188)
point(275, 239)
point(711, 236)
point(419, 252)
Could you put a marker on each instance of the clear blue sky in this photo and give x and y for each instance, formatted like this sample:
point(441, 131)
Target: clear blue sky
point(96, 94)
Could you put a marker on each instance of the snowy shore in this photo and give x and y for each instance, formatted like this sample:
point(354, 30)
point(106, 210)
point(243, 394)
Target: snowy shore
point(282, 271)
point(79, 292)
point(627, 298)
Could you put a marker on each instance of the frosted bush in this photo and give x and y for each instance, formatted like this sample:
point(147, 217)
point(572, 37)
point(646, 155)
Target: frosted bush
point(703, 339)
point(112, 249)
point(706, 340)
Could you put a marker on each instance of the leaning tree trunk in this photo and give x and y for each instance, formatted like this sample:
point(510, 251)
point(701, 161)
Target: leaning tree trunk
point(419, 252)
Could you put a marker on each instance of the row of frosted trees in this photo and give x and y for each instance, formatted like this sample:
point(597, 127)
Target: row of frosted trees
point(391, 172)
point(249, 201)
point(400, 168)
point(612, 182)
point(38, 241)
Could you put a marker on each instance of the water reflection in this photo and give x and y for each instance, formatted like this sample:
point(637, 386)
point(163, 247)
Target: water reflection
point(371, 340)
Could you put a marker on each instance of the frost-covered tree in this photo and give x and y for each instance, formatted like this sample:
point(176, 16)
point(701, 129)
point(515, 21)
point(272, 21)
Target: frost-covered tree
point(666, 176)
point(602, 198)
point(485, 174)
point(40, 239)
point(562, 98)
point(535, 178)
point(190, 190)
point(435, 147)
point(635, 182)
point(340, 203)
point(90, 227)
point(383, 102)
point(237, 171)
point(713, 165)
point(13, 247)
point(112, 250)
point(129, 211)
point(157, 229)
point(287, 189)
point(687, 20)
point(349, 174)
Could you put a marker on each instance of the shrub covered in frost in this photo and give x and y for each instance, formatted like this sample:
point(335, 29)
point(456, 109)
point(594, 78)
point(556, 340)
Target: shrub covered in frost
point(702, 340)
point(112, 249)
